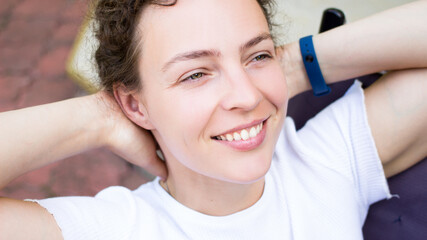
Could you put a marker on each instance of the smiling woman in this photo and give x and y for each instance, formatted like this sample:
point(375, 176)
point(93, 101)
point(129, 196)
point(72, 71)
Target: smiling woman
point(196, 90)
point(205, 79)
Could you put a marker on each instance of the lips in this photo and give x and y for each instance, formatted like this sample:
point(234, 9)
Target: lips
point(241, 134)
point(244, 138)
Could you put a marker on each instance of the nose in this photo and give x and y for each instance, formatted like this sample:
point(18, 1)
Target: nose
point(241, 92)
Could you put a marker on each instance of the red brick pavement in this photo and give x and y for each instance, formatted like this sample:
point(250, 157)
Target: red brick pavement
point(35, 39)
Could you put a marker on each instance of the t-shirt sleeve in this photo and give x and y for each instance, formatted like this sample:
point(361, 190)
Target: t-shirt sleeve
point(341, 134)
point(109, 215)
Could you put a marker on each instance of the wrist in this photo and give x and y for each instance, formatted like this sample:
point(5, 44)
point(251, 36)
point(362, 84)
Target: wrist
point(100, 111)
point(312, 68)
point(293, 68)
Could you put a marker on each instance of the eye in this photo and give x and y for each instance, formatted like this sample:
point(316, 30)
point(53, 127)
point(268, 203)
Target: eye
point(261, 57)
point(193, 76)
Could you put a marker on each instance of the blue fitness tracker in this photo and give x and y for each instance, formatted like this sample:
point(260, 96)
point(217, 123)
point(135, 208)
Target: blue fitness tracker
point(312, 67)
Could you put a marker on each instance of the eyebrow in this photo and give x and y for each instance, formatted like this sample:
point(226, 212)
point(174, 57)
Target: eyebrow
point(254, 41)
point(214, 53)
point(190, 55)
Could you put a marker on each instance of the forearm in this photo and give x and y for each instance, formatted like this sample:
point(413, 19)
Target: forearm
point(391, 40)
point(36, 136)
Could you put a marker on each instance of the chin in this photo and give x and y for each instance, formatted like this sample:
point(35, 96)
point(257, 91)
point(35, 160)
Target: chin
point(251, 172)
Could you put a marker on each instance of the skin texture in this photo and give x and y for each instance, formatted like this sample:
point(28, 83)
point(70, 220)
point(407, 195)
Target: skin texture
point(234, 91)
point(235, 88)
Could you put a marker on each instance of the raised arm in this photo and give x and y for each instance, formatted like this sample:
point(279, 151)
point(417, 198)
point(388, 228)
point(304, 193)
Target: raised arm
point(396, 106)
point(36, 136)
point(390, 40)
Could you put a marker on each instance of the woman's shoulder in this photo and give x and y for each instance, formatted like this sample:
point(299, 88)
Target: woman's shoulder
point(332, 129)
point(98, 216)
point(336, 145)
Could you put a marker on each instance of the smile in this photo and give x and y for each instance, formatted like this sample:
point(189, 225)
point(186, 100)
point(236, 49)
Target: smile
point(244, 138)
point(244, 134)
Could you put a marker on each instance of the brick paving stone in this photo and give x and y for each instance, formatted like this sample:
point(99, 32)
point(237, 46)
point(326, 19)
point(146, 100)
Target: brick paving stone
point(27, 30)
point(43, 91)
point(19, 59)
point(11, 86)
point(65, 33)
point(24, 192)
point(52, 64)
point(37, 179)
point(31, 185)
point(6, 7)
point(75, 10)
point(39, 9)
point(6, 105)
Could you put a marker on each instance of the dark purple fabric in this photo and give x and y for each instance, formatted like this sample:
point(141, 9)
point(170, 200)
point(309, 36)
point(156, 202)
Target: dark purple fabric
point(398, 218)
point(404, 217)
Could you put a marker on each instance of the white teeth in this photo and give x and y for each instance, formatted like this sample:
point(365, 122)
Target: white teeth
point(237, 137)
point(253, 132)
point(229, 137)
point(244, 134)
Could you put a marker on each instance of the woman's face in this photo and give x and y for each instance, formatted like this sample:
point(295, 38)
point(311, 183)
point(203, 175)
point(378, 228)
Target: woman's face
point(210, 79)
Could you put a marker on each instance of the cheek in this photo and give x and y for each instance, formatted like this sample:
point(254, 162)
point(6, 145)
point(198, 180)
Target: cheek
point(273, 86)
point(182, 116)
point(183, 128)
point(194, 112)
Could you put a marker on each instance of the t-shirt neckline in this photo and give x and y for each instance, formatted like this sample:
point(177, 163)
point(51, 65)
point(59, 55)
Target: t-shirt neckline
point(188, 214)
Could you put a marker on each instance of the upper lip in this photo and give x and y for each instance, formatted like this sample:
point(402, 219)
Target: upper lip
point(243, 126)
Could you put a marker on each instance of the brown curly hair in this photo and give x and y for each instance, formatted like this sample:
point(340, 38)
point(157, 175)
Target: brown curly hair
point(118, 50)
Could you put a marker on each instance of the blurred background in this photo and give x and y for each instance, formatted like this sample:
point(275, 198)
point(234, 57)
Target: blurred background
point(36, 38)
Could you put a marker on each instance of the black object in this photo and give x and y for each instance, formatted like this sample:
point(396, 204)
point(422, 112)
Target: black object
point(331, 18)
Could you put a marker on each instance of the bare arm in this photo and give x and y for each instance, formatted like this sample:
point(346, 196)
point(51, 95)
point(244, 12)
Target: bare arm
point(26, 220)
point(36, 136)
point(40, 135)
point(390, 40)
point(397, 113)
point(396, 106)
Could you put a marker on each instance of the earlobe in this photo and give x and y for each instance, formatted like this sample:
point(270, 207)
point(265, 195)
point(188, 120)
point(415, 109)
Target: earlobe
point(132, 107)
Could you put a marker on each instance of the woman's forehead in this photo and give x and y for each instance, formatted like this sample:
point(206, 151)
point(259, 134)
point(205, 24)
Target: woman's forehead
point(199, 24)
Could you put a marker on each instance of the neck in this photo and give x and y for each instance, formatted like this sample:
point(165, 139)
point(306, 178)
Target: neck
point(211, 196)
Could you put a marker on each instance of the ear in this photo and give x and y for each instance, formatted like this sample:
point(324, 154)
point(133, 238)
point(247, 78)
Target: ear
point(132, 107)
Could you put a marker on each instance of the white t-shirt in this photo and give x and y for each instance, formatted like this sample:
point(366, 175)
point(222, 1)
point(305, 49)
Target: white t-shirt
point(320, 185)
